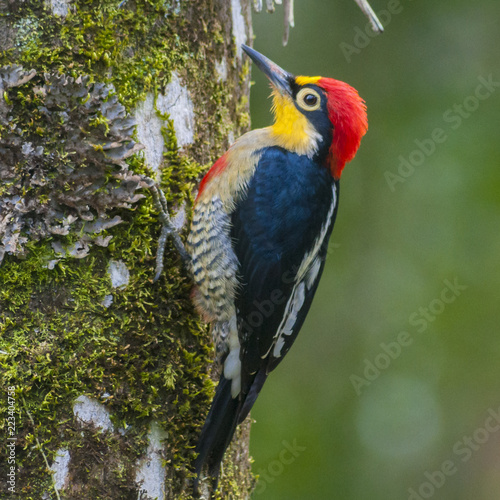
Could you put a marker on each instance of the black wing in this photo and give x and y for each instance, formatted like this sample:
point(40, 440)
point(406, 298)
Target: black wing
point(291, 202)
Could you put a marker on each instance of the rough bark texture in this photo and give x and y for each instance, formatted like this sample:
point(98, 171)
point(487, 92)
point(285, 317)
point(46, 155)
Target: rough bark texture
point(111, 371)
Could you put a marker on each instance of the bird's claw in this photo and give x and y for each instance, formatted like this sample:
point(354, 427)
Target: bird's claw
point(167, 230)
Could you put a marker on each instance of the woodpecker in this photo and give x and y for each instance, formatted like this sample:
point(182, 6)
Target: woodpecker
point(259, 236)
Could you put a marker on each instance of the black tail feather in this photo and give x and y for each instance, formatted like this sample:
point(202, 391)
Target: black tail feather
point(257, 383)
point(224, 415)
point(217, 432)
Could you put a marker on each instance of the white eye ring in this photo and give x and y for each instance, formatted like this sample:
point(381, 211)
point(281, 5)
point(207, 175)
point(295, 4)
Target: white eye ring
point(310, 95)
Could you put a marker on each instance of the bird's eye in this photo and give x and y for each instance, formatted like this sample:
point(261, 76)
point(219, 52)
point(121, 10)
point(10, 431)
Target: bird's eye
point(308, 99)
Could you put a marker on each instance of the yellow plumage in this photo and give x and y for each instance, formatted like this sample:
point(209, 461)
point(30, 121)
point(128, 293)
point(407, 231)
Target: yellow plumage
point(292, 130)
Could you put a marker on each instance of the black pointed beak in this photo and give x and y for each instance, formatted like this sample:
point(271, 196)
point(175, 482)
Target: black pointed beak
point(280, 78)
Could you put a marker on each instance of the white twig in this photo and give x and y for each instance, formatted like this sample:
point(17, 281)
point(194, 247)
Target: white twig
point(289, 21)
point(368, 12)
point(257, 5)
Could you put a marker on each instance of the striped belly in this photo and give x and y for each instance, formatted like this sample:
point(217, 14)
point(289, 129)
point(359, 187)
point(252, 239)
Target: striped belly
point(214, 267)
point(214, 263)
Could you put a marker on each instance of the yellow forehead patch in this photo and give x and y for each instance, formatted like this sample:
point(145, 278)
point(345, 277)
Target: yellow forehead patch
point(304, 80)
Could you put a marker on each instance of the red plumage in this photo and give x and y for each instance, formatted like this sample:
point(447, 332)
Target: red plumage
point(347, 112)
point(215, 169)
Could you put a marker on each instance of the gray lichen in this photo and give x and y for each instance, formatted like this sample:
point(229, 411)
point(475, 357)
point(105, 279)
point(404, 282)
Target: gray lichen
point(137, 349)
point(72, 140)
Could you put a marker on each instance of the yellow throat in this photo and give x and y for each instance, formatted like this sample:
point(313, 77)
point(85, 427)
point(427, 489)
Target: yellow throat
point(291, 129)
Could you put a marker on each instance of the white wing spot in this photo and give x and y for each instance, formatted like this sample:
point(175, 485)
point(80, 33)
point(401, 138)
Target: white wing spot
point(299, 296)
point(278, 346)
point(313, 272)
point(305, 278)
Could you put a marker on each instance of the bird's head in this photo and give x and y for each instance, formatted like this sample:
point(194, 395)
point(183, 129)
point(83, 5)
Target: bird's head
point(320, 117)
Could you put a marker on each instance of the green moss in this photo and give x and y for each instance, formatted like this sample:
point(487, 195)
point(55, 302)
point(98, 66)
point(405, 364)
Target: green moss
point(148, 349)
point(135, 47)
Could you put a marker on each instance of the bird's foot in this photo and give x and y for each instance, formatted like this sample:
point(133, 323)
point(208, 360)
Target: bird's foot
point(168, 229)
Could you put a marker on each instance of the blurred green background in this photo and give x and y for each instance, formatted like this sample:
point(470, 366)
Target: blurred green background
point(416, 248)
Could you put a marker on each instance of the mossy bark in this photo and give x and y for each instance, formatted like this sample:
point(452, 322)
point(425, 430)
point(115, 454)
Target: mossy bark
point(105, 375)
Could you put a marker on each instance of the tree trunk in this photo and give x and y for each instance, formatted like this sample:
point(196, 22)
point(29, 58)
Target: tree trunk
point(106, 376)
